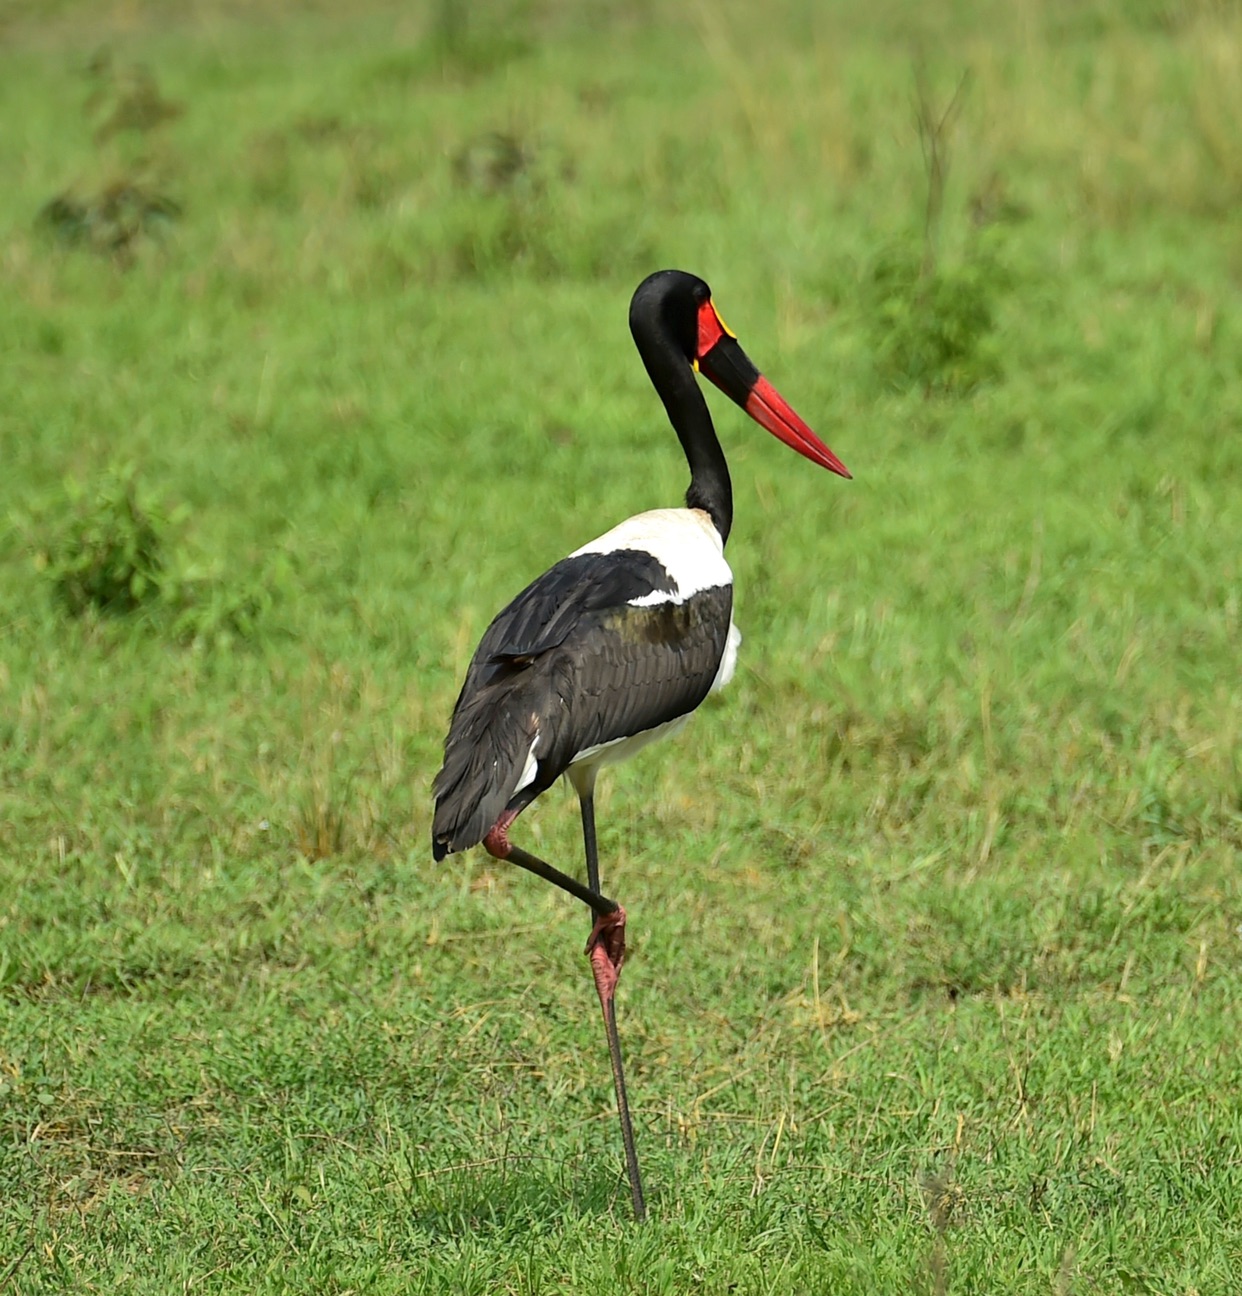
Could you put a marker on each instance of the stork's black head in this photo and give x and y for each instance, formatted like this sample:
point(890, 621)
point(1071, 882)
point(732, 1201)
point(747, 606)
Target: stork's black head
point(672, 318)
point(668, 303)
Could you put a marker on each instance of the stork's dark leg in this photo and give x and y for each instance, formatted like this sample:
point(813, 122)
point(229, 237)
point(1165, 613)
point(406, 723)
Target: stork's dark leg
point(606, 950)
point(587, 803)
point(599, 904)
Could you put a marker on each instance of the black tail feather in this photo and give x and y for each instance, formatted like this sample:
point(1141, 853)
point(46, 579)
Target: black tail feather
point(485, 755)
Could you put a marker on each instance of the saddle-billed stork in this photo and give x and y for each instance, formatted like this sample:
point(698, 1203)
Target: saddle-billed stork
point(617, 644)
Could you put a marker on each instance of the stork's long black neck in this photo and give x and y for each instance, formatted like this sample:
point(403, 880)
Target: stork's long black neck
point(673, 378)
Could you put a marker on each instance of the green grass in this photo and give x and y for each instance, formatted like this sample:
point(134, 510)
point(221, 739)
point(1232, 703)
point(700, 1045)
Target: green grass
point(936, 917)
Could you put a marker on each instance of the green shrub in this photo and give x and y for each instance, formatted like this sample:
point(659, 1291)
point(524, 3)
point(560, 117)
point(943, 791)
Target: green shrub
point(128, 206)
point(105, 548)
point(113, 220)
point(931, 326)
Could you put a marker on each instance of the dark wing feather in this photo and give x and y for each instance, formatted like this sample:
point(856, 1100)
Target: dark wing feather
point(636, 668)
point(548, 610)
point(572, 663)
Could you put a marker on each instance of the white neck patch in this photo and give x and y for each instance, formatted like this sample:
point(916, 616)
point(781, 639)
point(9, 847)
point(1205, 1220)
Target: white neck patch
point(683, 541)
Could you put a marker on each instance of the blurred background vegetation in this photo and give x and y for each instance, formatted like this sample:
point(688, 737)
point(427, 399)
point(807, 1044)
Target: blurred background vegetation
point(315, 352)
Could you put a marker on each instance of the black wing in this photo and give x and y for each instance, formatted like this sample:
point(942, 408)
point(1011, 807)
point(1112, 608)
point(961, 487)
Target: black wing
point(568, 665)
point(634, 668)
point(549, 609)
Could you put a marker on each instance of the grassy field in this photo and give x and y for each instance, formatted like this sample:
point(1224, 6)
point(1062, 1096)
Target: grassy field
point(315, 351)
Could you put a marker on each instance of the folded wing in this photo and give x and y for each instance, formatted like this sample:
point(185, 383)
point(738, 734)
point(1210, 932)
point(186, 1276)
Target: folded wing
point(599, 648)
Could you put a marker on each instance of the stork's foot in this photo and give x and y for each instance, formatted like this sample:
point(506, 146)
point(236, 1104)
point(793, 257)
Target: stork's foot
point(606, 950)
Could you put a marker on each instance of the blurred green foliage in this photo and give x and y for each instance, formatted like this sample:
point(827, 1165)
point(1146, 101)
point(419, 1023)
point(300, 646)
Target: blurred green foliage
point(934, 914)
point(930, 329)
point(103, 549)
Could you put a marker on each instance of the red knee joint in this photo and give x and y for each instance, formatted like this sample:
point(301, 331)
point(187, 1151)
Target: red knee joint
point(606, 950)
point(496, 843)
